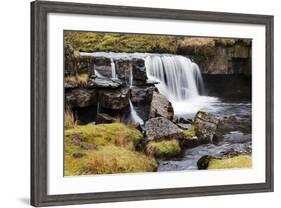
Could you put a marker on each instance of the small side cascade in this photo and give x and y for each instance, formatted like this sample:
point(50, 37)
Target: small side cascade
point(134, 115)
point(113, 69)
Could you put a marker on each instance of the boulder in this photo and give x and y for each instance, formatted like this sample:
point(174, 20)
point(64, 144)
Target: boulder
point(80, 97)
point(103, 118)
point(203, 162)
point(99, 82)
point(206, 125)
point(161, 106)
point(115, 99)
point(161, 128)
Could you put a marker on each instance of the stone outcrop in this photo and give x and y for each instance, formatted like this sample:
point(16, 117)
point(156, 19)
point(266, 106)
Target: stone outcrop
point(104, 83)
point(80, 97)
point(114, 99)
point(161, 128)
point(219, 55)
point(161, 106)
point(103, 118)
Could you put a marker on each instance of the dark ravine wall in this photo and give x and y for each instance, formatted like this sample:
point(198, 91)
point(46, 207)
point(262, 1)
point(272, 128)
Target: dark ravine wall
point(230, 87)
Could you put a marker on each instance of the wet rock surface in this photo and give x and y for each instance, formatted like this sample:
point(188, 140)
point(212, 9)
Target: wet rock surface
point(114, 99)
point(80, 97)
point(104, 83)
point(103, 118)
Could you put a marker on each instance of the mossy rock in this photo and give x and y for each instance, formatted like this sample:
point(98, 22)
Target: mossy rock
point(163, 149)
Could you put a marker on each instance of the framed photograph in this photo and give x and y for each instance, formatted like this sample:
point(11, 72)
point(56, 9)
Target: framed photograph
point(132, 103)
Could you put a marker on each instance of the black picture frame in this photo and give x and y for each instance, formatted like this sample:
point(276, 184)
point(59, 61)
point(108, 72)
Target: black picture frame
point(39, 12)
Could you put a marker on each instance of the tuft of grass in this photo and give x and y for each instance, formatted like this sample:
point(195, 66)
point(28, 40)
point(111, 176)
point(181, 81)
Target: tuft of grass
point(241, 161)
point(117, 134)
point(191, 132)
point(69, 121)
point(165, 148)
point(78, 80)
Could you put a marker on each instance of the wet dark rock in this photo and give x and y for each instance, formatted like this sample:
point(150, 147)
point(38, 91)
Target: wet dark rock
point(104, 83)
point(139, 71)
point(103, 66)
point(142, 94)
point(161, 106)
point(184, 126)
point(80, 97)
point(190, 142)
point(185, 120)
point(206, 126)
point(123, 68)
point(203, 162)
point(103, 118)
point(162, 128)
point(114, 99)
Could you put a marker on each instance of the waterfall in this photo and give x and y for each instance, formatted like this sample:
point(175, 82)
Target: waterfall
point(113, 69)
point(134, 116)
point(180, 81)
point(180, 78)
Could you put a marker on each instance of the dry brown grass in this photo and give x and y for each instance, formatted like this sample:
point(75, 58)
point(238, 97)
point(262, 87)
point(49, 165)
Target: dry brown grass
point(69, 120)
point(78, 80)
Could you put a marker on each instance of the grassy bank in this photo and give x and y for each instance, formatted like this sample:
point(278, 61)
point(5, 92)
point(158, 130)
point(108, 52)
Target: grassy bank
point(241, 161)
point(104, 148)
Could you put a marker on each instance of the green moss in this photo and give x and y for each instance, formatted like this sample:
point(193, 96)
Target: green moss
point(241, 161)
point(163, 148)
point(117, 134)
point(191, 132)
point(104, 148)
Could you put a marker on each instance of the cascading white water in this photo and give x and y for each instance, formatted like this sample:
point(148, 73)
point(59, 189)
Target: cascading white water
point(113, 69)
point(180, 81)
point(134, 116)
